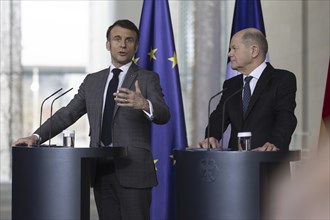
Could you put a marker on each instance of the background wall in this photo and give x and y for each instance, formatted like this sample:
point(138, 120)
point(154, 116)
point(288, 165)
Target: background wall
point(298, 35)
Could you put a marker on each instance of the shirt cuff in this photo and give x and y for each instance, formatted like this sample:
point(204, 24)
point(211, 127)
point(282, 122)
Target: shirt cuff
point(38, 136)
point(151, 110)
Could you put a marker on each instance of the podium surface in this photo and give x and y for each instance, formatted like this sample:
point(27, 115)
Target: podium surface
point(223, 184)
point(54, 182)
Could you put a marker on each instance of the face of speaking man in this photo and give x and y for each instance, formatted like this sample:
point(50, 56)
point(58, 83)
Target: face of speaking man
point(122, 44)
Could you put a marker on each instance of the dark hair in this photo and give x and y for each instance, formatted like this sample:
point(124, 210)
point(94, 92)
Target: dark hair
point(256, 36)
point(124, 24)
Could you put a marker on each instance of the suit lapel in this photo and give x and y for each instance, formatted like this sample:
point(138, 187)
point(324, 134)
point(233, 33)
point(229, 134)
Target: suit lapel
point(130, 76)
point(99, 91)
point(129, 80)
point(261, 85)
point(99, 94)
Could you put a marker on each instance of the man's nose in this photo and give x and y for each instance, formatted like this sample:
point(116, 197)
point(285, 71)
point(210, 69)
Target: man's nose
point(123, 44)
point(230, 53)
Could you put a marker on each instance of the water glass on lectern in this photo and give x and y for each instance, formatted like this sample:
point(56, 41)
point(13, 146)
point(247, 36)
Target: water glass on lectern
point(244, 141)
point(68, 138)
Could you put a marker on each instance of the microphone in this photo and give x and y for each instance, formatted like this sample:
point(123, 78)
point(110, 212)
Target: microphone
point(51, 113)
point(41, 108)
point(208, 115)
point(223, 113)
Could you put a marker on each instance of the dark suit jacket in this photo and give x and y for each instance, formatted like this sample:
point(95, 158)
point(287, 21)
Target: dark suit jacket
point(130, 128)
point(270, 115)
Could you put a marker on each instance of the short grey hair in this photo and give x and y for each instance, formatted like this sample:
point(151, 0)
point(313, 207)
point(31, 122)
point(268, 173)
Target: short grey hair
point(255, 37)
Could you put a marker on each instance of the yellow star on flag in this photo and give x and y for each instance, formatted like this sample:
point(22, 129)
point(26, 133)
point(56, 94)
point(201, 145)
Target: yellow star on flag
point(155, 161)
point(174, 60)
point(152, 54)
point(136, 59)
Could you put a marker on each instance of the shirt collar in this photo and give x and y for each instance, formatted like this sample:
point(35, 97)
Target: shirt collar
point(256, 73)
point(124, 68)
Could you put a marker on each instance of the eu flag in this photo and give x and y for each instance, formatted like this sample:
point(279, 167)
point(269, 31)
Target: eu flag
point(247, 14)
point(157, 53)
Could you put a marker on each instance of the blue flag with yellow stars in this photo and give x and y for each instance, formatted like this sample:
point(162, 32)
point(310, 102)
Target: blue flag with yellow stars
point(157, 53)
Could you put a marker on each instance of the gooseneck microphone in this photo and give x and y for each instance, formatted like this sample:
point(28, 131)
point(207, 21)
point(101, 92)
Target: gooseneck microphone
point(51, 113)
point(41, 109)
point(208, 115)
point(223, 113)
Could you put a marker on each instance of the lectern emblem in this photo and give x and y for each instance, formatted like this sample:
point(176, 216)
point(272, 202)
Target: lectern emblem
point(208, 169)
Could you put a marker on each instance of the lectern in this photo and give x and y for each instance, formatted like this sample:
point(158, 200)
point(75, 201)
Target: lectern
point(223, 184)
point(53, 182)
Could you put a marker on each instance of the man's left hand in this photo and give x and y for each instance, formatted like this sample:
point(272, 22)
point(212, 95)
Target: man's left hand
point(133, 99)
point(267, 147)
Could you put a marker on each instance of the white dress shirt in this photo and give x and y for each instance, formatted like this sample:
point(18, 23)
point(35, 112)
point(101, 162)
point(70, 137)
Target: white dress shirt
point(256, 73)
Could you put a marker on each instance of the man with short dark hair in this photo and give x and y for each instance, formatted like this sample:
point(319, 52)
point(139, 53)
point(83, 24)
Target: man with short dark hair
point(121, 102)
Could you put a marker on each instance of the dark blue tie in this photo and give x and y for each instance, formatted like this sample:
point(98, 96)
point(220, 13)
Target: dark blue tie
point(246, 93)
point(106, 136)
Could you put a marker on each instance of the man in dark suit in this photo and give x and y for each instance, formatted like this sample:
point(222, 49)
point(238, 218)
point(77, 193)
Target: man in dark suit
point(122, 188)
point(269, 113)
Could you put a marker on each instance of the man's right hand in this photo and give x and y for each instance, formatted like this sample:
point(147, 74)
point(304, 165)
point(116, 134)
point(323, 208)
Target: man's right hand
point(26, 141)
point(214, 143)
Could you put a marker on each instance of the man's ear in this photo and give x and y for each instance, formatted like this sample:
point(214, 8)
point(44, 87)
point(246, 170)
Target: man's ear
point(255, 51)
point(107, 44)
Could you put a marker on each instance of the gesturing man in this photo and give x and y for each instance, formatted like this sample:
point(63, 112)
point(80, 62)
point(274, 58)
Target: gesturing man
point(121, 102)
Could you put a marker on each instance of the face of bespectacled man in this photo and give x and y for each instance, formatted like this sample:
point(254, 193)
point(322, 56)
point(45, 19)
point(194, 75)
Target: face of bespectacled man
point(122, 44)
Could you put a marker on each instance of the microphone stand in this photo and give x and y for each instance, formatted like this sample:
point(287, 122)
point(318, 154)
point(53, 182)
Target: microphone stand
point(41, 108)
point(223, 113)
point(208, 115)
point(51, 113)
